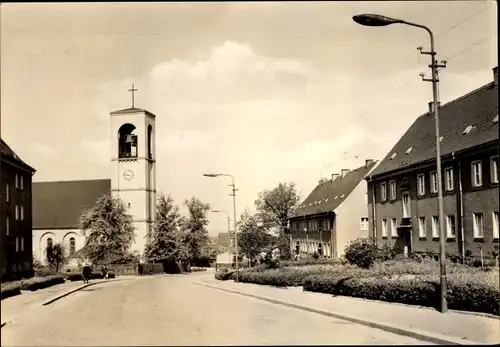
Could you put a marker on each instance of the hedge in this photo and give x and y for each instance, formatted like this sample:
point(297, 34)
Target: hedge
point(36, 283)
point(462, 294)
point(225, 276)
point(10, 289)
point(77, 276)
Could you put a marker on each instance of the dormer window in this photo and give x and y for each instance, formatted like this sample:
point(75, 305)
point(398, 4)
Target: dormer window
point(409, 150)
point(441, 138)
point(468, 130)
point(393, 156)
point(326, 200)
point(342, 196)
point(495, 120)
point(336, 197)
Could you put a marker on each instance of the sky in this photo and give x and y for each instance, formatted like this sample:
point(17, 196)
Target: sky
point(269, 92)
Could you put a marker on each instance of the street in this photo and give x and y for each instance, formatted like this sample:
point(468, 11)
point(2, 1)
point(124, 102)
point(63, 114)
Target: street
point(170, 310)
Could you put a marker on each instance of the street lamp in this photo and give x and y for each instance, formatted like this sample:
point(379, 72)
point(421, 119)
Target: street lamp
point(376, 20)
point(212, 175)
point(228, 225)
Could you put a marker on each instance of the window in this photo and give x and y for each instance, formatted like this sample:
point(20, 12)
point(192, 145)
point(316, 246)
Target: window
point(22, 243)
point(421, 184)
point(384, 227)
point(422, 228)
point(72, 245)
point(17, 212)
point(435, 227)
point(495, 225)
point(394, 230)
point(448, 174)
point(7, 192)
point(434, 182)
point(17, 181)
point(494, 169)
point(383, 191)
point(21, 212)
point(17, 243)
point(364, 223)
point(21, 182)
point(468, 129)
point(406, 205)
point(7, 225)
point(408, 151)
point(450, 226)
point(478, 226)
point(49, 243)
point(477, 174)
point(392, 185)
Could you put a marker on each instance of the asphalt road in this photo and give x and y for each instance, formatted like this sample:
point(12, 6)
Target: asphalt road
point(170, 310)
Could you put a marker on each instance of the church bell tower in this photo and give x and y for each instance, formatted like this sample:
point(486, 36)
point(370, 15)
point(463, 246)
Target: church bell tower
point(133, 157)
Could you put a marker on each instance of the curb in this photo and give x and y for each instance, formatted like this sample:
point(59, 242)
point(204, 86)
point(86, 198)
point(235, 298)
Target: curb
point(413, 333)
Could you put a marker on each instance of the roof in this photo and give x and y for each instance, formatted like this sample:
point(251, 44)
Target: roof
point(58, 205)
point(134, 110)
point(329, 195)
point(7, 153)
point(477, 108)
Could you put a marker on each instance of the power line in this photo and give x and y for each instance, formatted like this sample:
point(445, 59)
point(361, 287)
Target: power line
point(451, 28)
point(471, 46)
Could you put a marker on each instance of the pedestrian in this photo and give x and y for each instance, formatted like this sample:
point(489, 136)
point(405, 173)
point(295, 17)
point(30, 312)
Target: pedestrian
point(86, 273)
point(104, 271)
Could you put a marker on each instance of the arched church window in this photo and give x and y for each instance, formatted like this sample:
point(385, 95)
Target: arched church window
point(127, 141)
point(49, 242)
point(72, 245)
point(150, 142)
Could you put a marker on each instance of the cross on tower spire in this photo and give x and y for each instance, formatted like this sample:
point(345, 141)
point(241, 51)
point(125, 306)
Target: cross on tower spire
point(132, 90)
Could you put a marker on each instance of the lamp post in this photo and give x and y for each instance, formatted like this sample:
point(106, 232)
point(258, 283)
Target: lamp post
point(228, 225)
point(377, 21)
point(234, 215)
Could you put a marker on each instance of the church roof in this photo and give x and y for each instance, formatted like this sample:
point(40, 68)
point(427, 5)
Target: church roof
point(9, 155)
point(134, 110)
point(58, 205)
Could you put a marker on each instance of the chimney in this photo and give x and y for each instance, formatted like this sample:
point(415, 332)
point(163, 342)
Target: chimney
point(495, 75)
point(335, 176)
point(344, 172)
point(368, 162)
point(431, 107)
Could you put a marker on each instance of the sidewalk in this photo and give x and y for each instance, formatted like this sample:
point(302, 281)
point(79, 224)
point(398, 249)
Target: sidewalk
point(15, 306)
point(459, 327)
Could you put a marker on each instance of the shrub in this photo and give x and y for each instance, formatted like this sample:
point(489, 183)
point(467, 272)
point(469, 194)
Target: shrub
point(111, 274)
point(469, 295)
point(362, 252)
point(10, 289)
point(224, 276)
point(310, 261)
point(74, 277)
point(37, 283)
point(44, 272)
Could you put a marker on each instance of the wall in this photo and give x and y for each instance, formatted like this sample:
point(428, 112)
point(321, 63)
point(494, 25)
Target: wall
point(348, 218)
point(62, 236)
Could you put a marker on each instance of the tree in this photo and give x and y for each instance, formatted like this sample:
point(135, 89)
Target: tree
point(55, 256)
point(274, 209)
point(166, 241)
point(108, 229)
point(194, 228)
point(253, 238)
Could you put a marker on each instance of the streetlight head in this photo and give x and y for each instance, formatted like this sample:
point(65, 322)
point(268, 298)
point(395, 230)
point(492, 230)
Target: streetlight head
point(374, 20)
point(211, 175)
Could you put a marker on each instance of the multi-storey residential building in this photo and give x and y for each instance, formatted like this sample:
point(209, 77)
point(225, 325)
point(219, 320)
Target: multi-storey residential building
point(16, 255)
point(403, 189)
point(333, 214)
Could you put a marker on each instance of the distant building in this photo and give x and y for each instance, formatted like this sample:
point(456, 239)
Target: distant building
point(403, 189)
point(333, 214)
point(225, 240)
point(16, 255)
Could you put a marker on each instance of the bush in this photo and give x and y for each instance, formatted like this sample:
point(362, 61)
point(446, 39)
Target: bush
point(111, 274)
point(37, 283)
point(310, 261)
point(362, 252)
point(76, 276)
point(44, 272)
point(225, 276)
point(10, 289)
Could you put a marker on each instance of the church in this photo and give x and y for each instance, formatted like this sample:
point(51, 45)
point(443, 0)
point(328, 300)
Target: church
point(57, 206)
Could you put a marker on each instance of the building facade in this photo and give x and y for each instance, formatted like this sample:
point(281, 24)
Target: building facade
point(16, 255)
point(403, 206)
point(333, 214)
